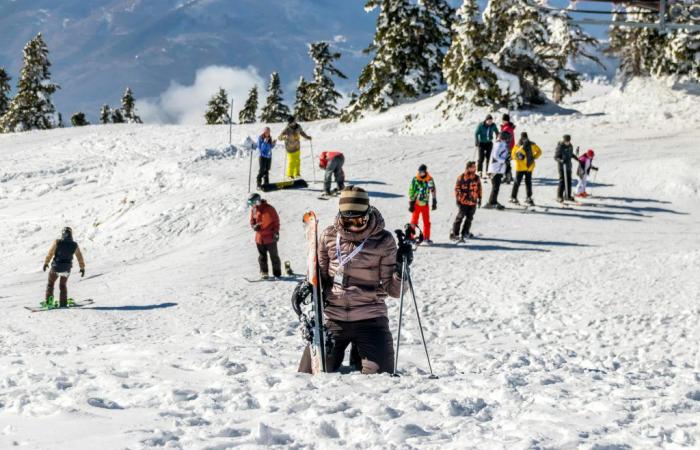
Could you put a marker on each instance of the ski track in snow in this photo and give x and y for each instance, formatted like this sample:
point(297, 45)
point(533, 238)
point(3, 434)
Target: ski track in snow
point(571, 329)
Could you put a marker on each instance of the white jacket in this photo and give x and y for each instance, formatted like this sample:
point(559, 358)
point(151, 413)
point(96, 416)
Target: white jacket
point(499, 155)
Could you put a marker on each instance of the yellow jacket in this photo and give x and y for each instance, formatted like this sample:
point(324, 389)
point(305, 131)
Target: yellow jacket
point(519, 157)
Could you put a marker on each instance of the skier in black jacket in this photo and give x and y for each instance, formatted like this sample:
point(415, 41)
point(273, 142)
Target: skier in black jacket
point(563, 156)
point(60, 258)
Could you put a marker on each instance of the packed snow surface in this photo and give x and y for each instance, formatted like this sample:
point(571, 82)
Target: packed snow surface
point(565, 329)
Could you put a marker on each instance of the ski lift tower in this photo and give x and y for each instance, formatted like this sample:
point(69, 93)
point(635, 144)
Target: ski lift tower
point(673, 14)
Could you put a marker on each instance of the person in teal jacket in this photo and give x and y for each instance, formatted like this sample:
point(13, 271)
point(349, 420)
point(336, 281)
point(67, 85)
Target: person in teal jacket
point(484, 135)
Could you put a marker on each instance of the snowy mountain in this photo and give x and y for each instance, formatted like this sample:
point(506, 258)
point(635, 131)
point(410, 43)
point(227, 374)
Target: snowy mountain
point(564, 328)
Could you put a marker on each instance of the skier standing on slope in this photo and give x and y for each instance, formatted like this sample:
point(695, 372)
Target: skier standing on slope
point(266, 224)
point(265, 146)
point(483, 136)
point(468, 192)
point(524, 154)
point(291, 135)
point(584, 171)
point(419, 192)
point(360, 266)
point(497, 169)
point(60, 259)
point(508, 135)
point(563, 156)
point(332, 163)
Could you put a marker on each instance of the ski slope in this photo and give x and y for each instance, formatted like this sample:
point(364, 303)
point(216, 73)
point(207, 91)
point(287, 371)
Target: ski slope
point(571, 329)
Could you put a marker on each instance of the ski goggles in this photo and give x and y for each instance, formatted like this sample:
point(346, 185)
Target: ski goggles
point(354, 221)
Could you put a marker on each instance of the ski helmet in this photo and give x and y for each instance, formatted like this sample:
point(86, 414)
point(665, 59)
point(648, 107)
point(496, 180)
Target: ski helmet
point(254, 199)
point(567, 138)
point(354, 202)
point(590, 153)
point(422, 168)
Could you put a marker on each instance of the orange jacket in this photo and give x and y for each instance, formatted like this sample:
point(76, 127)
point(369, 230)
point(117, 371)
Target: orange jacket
point(326, 157)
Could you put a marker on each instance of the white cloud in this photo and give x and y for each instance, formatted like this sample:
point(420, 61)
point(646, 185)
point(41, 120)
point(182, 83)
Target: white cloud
point(339, 38)
point(186, 104)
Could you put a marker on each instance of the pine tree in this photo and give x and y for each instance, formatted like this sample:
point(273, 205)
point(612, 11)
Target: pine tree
point(681, 55)
point(322, 93)
point(250, 110)
point(60, 121)
point(304, 108)
point(470, 76)
point(4, 92)
point(129, 107)
point(434, 27)
point(78, 120)
point(637, 48)
point(274, 110)
point(117, 116)
point(31, 108)
point(105, 114)
point(217, 113)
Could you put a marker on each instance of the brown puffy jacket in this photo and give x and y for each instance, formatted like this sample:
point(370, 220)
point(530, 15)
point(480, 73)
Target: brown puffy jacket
point(369, 276)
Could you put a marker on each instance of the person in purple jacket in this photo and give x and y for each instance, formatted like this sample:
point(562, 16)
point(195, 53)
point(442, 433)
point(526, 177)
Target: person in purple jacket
point(265, 146)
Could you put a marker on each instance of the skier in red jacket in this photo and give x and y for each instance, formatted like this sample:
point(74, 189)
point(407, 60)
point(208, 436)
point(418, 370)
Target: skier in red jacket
point(266, 224)
point(332, 163)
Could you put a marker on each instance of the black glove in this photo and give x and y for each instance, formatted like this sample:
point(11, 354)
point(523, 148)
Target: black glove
point(256, 227)
point(277, 237)
point(403, 253)
point(434, 204)
point(594, 168)
point(46, 266)
point(82, 273)
point(411, 205)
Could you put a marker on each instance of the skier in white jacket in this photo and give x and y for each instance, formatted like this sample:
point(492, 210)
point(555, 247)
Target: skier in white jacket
point(497, 169)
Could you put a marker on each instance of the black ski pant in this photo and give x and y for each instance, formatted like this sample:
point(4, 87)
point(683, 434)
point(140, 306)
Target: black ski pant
point(334, 169)
point(508, 177)
point(263, 250)
point(519, 179)
point(62, 286)
point(495, 187)
point(484, 155)
point(372, 339)
point(264, 171)
point(564, 188)
point(464, 219)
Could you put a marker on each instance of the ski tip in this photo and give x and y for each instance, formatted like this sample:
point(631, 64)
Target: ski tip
point(309, 216)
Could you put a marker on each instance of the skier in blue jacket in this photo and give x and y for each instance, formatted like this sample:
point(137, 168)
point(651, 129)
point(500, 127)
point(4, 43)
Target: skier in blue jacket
point(483, 136)
point(265, 146)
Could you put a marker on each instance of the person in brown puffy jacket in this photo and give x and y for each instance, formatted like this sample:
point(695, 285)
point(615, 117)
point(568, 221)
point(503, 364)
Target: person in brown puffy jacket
point(266, 224)
point(360, 268)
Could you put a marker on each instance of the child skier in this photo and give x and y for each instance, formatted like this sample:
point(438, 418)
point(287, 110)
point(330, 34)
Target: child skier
point(468, 193)
point(60, 259)
point(422, 186)
point(584, 170)
point(266, 224)
point(265, 146)
point(497, 170)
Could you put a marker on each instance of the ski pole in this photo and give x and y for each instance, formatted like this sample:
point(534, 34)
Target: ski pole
point(313, 159)
point(420, 325)
point(398, 335)
point(566, 181)
point(595, 175)
point(250, 169)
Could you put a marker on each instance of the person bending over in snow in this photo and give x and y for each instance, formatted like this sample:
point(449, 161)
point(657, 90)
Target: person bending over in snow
point(360, 267)
point(266, 224)
point(584, 171)
point(483, 136)
point(468, 193)
point(419, 192)
point(563, 156)
point(524, 154)
point(265, 146)
point(508, 135)
point(497, 169)
point(332, 163)
point(291, 135)
point(60, 259)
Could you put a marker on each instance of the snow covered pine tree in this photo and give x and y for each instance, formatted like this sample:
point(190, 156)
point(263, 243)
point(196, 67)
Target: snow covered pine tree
point(105, 114)
point(323, 95)
point(4, 92)
point(250, 110)
point(304, 110)
point(217, 111)
point(274, 110)
point(129, 107)
point(78, 120)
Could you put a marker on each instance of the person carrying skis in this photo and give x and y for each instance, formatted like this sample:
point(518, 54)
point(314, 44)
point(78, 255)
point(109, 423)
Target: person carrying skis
point(524, 154)
point(265, 146)
point(419, 192)
point(468, 192)
point(360, 267)
point(563, 156)
point(508, 135)
point(60, 259)
point(266, 224)
point(483, 136)
point(332, 163)
point(291, 135)
point(583, 172)
point(497, 169)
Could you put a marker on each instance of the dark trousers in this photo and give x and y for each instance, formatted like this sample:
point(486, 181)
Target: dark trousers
point(484, 154)
point(371, 338)
point(508, 177)
point(519, 179)
point(495, 186)
point(334, 169)
point(62, 286)
point(564, 188)
point(263, 250)
point(264, 171)
point(464, 219)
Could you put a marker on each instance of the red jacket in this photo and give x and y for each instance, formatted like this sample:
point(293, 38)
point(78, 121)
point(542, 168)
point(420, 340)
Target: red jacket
point(326, 157)
point(468, 189)
point(509, 128)
point(265, 216)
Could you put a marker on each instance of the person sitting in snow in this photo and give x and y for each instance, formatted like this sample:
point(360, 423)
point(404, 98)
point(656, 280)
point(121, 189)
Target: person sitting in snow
point(584, 171)
point(60, 259)
point(266, 224)
point(291, 135)
point(419, 192)
point(265, 146)
point(332, 163)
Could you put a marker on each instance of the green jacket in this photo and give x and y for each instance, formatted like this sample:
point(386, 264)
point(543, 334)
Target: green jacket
point(421, 188)
point(485, 133)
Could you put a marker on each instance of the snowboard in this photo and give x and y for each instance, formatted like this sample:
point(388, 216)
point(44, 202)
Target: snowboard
point(291, 184)
point(79, 304)
point(317, 344)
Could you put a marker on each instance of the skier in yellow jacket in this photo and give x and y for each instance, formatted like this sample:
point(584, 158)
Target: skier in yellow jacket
point(291, 136)
point(524, 154)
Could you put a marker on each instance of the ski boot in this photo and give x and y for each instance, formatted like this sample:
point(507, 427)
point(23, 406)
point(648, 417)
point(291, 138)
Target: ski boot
point(288, 269)
point(514, 201)
point(264, 276)
point(499, 207)
point(488, 206)
point(48, 303)
point(560, 199)
point(71, 303)
point(530, 202)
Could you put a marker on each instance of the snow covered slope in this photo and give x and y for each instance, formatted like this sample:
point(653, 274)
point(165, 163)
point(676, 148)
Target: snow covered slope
point(571, 329)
